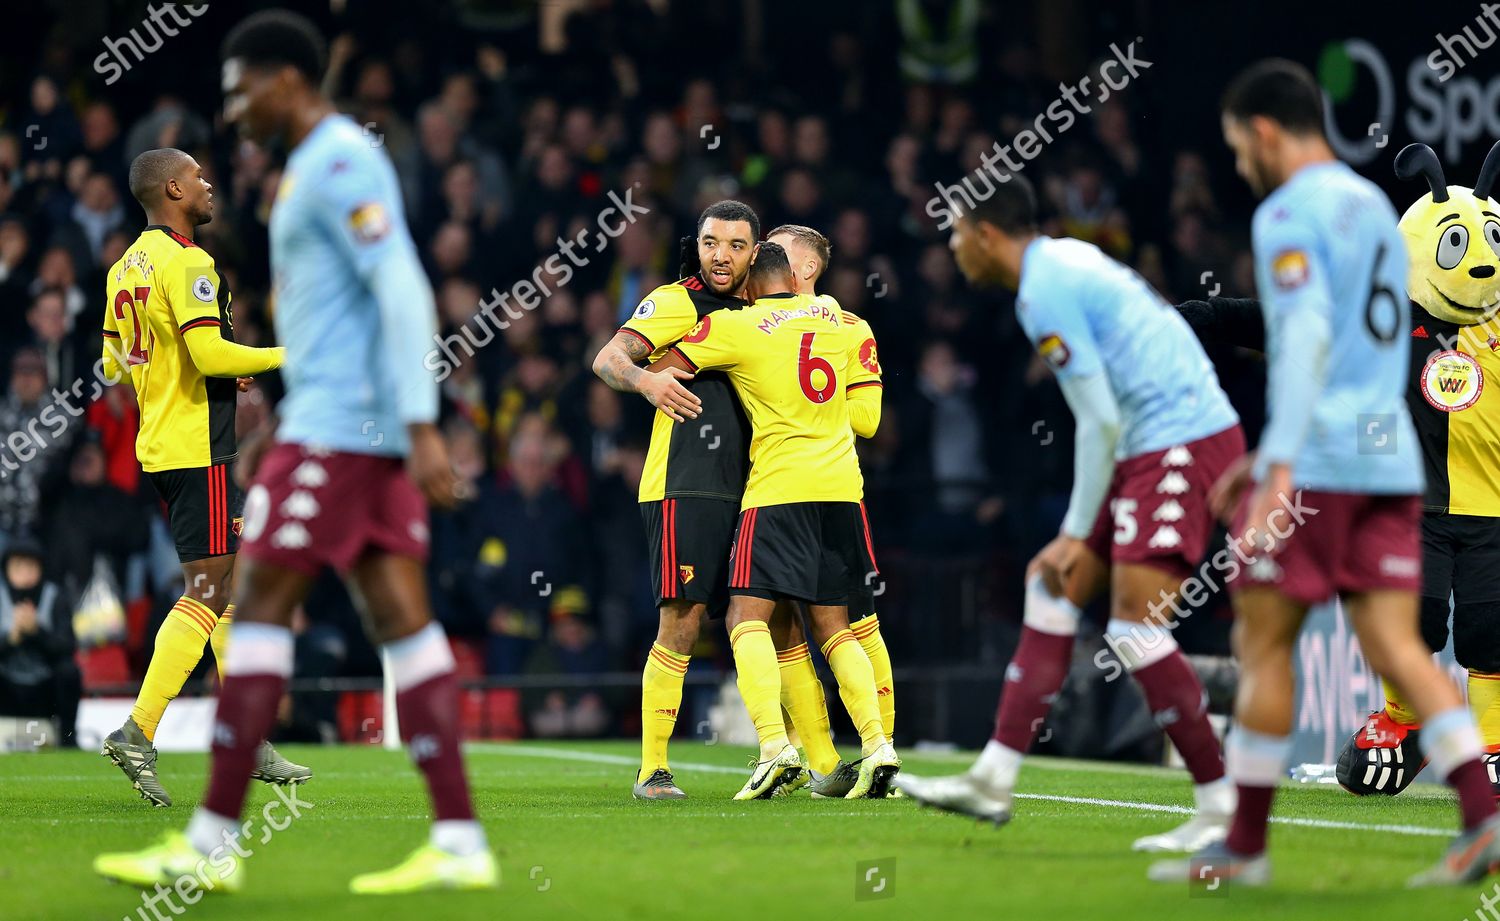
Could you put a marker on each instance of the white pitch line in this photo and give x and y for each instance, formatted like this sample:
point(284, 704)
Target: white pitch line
point(563, 754)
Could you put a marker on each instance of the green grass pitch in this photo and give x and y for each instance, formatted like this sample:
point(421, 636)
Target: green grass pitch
point(573, 844)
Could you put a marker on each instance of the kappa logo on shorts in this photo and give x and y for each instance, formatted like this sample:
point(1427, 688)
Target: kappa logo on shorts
point(1170, 510)
point(685, 573)
point(300, 504)
point(291, 536)
point(1173, 484)
point(310, 474)
point(1179, 456)
point(1165, 538)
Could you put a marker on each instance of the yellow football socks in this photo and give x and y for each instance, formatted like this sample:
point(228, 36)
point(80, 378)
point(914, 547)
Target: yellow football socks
point(867, 631)
point(1484, 703)
point(856, 687)
point(179, 646)
point(1397, 707)
point(219, 640)
point(759, 680)
point(802, 696)
point(661, 695)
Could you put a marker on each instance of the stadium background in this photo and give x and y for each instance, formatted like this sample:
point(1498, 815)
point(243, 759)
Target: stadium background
point(510, 124)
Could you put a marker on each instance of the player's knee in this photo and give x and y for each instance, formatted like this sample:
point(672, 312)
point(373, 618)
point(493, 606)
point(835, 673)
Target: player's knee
point(1434, 621)
point(678, 628)
point(1476, 635)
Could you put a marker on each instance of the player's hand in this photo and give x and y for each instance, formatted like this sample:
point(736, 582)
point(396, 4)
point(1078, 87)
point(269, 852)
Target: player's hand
point(1224, 496)
point(429, 466)
point(1056, 562)
point(244, 383)
point(1259, 532)
point(663, 390)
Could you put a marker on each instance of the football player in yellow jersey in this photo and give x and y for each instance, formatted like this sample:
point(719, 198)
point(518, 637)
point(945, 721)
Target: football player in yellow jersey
point(801, 690)
point(169, 324)
point(802, 534)
point(694, 475)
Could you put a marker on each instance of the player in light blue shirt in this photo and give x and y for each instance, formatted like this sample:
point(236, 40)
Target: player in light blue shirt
point(1154, 432)
point(1115, 344)
point(353, 304)
point(1331, 268)
point(344, 486)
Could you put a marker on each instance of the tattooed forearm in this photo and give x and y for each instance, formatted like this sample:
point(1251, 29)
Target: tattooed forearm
point(616, 363)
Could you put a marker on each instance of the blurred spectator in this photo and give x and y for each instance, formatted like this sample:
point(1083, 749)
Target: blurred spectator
point(118, 523)
point(572, 648)
point(533, 545)
point(946, 446)
point(38, 677)
point(32, 439)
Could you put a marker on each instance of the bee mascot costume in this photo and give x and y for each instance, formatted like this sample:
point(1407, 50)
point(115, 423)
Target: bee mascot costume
point(1453, 241)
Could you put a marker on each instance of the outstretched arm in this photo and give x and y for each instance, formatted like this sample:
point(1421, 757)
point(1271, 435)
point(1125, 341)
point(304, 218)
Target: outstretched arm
point(1233, 321)
point(616, 365)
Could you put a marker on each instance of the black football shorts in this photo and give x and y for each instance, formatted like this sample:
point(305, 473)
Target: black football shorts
point(204, 507)
point(818, 552)
point(688, 540)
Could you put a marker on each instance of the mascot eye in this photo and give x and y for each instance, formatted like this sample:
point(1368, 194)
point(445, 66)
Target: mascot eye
point(1492, 235)
point(1452, 246)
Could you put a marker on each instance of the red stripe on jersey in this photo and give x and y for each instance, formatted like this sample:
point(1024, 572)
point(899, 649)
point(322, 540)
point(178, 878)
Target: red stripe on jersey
point(201, 321)
point(692, 366)
point(747, 545)
point(111, 334)
point(693, 282)
point(672, 561)
point(863, 384)
point(181, 239)
point(668, 584)
point(869, 544)
point(215, 509)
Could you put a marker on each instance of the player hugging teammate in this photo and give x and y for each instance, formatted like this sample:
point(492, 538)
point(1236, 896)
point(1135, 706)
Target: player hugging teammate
point(692, 488)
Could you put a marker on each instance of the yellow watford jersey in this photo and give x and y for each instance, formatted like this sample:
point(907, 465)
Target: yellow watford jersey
point(160, 289)
point(1455, 406)
point(791, 358)
point(707, 456)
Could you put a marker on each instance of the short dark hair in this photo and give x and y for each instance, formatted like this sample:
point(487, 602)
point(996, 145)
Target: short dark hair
point(770, 263)
point(1281, 90)
point(810, 238)
point(150, 171)
point(279, 38)
point(731, 210)
point(1010, 207)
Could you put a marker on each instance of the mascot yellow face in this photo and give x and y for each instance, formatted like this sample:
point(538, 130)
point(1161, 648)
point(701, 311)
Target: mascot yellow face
point(1453, 239)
